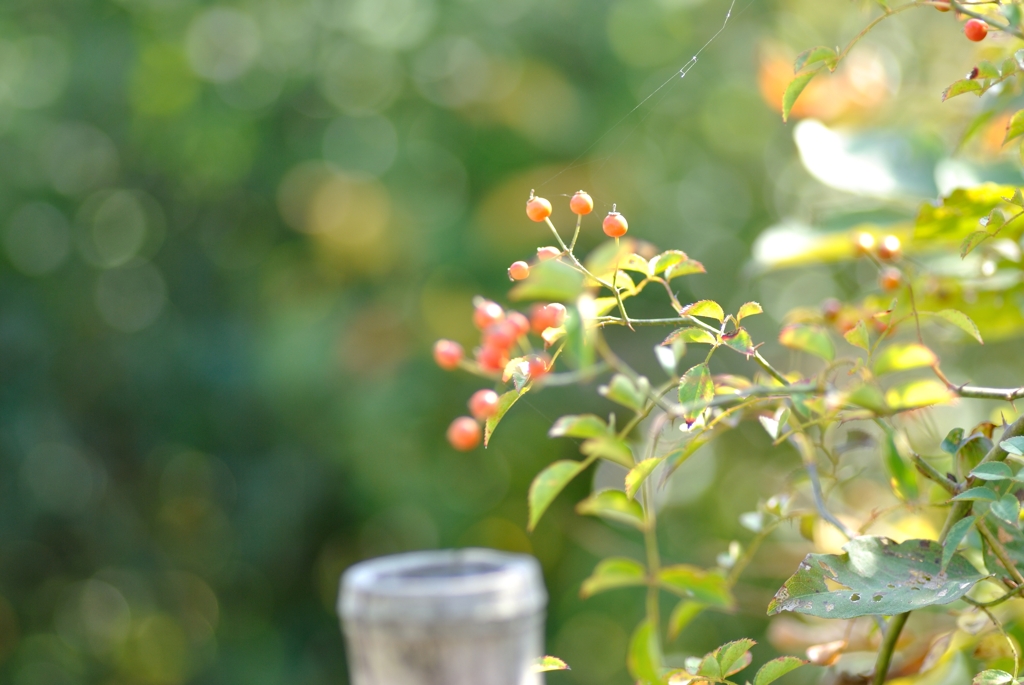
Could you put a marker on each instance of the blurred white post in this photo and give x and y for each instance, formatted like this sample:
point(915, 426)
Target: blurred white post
point(452, 617)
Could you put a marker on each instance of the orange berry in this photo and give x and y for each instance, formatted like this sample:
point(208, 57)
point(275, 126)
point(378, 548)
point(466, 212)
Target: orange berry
point(491, 358)
point(538, 209)
point(581, 203)
point(487, 313)
point(483, 404)
point(501, 335)
point(889, 248)
point(464, 434)
point(521, 323)
point(615, 225)
point(890, 279)
point(549, 252)
point(519, 271)
point(539, 365)
point(447, 354)
point(976, 30)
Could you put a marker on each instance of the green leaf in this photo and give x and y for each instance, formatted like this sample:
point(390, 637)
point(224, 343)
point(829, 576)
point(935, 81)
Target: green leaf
point(695, 391)
point(579, 426)
point(643, 660)
point(690, 335)
point(624, 391)
point(961, 321)
point(634, 262)
point(1013, 446)
point(980, 494)
point(1015, 128)
point(682, 615)
point(904, 356)
point(674, 263)
point(917, 394)
point(638, 474)
point(972, 451)
point(992, 677)
point(546, 486)
point(733, 657)
point(877, 577)
point(544, 664)
point(614, 506)
point(951, 443)
point(820, 54)
point(505, 402)
point(552, 281)
point(696, 583)
point(776, 668)
point(793, 90)
point(869, 397)
point(992, 470)
point(684, 268)
point(749, 309)
point(957, 532)
point(740, 341)
point(902, 477)
point(858, 336)
point(610, 448)
point(1017, 198)
point(972, 241)
point(962, 86)
point(708, 309)
point(1007, 509)
point(987, 70)
point(810, 339)
point(612, 573)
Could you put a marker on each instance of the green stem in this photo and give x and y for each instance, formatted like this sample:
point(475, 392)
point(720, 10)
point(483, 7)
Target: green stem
point(653, 566)
point(932, 474)
point(892, 635)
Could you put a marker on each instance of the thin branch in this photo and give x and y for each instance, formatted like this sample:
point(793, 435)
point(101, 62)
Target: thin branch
point(892, 634)
point(930, 472)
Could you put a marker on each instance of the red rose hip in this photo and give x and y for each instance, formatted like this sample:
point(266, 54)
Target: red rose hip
point(487, 313)
point(548, 252)
point(581, 203)
point(464, 434)
point(615, 225)
point(520, 322)
point(976, 30)
point(537, 208)
point(483, 404)
point(519, 271)
point(447, 354)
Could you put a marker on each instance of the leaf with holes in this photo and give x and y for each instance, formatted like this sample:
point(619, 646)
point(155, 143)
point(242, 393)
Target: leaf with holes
point(614, 506)
point(875, 576)
point(793, 90)
point(579, 426)
point(904, 356)
point(544, 664)
point(690, 335)
point(809, 339)
point(505, 403)
point(638, 474)
point(708, 309)
point(695, 391)
point(776, 668)
point(612, 573)
point(546, 486)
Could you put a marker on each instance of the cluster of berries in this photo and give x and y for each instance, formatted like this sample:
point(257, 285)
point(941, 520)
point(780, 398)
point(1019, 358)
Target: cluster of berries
point(887, 250)
point(501, 333)
point(974, 29)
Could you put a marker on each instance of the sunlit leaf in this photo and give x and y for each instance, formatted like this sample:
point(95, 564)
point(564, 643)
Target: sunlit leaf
point(972, 241)
point(904, 356)
point(740, 341)
point(858, 336)
point(609, 448)
point(810, 339)
point(793, 90)
point(986, 70)
point(612, 573)
point(643, 660)
point(993, 677)
point(614, 506)
point(979, 494)
point(869, 397)
point(820, 54)
point(1017, 198)
point(1015, 127)
point(776, 668)
point(505, 402)
point(918, 394)
point(634, 262)
point(547, 485)
point(695, 392)
point(733, 657)
point(749, 309)
point(696, 583)
point(957, 532)
point(961, 321)
point(962, 86)
point(638, 474)
point(549, 663)
point(875, 576)
point(579, 426)
point(690, 335)
point(625, 391)
point(704, 308)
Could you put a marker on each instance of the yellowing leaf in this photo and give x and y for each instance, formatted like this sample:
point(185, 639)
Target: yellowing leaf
point(749, 309)
point(638, 474)
point(810, 339)
point(613, 573)
point(546, 486)
point(918, 394)
point(1015, 127)
point(690, 335)
point(903, 356)
point(549, 663)
point(695, 391)
point(962, 86)
point(858, 336)
point(704, 308)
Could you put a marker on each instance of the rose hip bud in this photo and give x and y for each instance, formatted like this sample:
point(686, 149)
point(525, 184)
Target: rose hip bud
point(863, 243)
point(521, 323)
point(519, 271)
point(487, 313)
point(483, 404)
point(491, 358)
point(889, 248)
point(447, 354)
point(890, 279)
point(581, 203)
point(831, 308)
point(548, 252)
point(464, 434)
point(501, 335)
point(539, 365)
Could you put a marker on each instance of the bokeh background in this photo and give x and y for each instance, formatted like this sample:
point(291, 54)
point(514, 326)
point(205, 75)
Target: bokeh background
point(230, 232)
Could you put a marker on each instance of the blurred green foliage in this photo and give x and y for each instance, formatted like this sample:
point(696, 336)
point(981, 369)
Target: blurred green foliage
point(229, 234)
